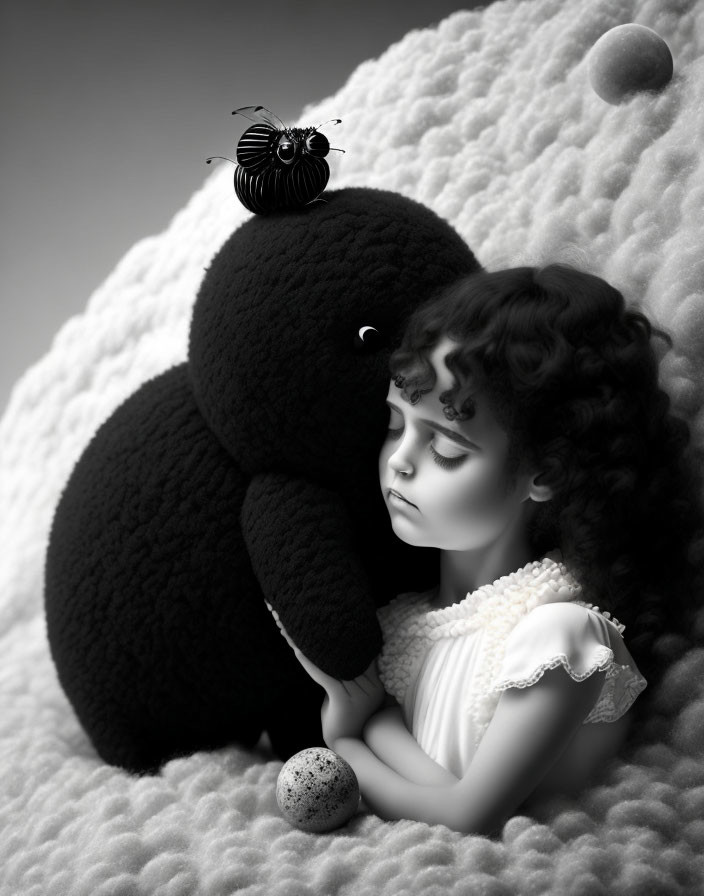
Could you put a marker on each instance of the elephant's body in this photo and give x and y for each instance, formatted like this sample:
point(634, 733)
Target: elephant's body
point(212, 491)
point(156, 621)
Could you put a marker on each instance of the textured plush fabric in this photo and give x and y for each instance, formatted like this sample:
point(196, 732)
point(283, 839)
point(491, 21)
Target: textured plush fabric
point(247, 474)
point(490, 120)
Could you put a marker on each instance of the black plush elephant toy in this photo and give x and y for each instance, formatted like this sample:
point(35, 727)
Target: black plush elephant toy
point(247, 476)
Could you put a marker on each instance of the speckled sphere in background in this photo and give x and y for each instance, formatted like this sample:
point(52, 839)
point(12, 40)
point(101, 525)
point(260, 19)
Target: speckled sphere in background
point(627, 59)
point(317, 790)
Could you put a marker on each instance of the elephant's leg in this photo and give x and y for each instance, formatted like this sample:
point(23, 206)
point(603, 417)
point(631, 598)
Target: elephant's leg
point(160, 635)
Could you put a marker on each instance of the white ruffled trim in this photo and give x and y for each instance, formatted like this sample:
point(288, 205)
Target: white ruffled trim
point(604, 658)
point(621, 687)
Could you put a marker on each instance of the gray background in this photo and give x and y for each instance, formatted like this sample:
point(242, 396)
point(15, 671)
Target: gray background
point(109, 110)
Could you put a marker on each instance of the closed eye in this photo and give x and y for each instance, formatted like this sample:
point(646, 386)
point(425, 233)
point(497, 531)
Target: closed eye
point(446, 447)
point(445, 452)
point(447, 463)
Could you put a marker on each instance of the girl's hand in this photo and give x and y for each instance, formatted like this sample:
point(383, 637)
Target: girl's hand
point(348, 704)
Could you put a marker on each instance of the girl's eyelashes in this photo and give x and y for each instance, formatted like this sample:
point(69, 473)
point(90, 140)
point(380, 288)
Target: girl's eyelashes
point(447, 463)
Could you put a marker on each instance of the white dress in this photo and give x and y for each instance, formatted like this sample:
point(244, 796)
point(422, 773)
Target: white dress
point(447, 667)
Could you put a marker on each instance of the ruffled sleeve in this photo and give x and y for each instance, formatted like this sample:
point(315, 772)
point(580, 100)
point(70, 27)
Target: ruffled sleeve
point(582, 641)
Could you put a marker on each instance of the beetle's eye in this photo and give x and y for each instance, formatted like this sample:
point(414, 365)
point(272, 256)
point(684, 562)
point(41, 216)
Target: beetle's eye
point(317, 144)
point(286, 150)
point(367, 340)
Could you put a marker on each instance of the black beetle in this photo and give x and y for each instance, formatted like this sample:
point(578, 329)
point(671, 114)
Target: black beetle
point(278, 167)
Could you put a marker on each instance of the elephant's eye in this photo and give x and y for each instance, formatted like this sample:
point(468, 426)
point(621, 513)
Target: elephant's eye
point(368, 339)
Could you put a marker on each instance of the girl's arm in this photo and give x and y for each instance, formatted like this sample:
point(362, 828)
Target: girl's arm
point(388, 738)
point(527, 734)
point(353, 707)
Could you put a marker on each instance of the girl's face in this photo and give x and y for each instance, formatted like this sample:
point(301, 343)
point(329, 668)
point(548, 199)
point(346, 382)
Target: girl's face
point(446, 483)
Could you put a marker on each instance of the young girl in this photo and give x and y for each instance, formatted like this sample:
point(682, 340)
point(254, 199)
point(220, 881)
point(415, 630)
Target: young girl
point(530, 442)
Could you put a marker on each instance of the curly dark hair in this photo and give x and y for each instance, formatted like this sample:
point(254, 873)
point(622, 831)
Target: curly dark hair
point(571, 373)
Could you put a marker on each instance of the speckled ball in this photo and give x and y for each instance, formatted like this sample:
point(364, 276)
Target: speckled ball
point(628, 59)
point(317, 790)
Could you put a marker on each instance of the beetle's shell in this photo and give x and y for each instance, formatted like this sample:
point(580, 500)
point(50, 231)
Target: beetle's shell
point(273, 187)
point(259, 192)
point(306, 180)
point(255, 149)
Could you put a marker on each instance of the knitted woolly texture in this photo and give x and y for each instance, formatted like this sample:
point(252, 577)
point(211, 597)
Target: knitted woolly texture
point(411, 627)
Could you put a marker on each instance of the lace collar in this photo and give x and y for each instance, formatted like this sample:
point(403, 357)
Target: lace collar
point(538, 582)
point(506, 599)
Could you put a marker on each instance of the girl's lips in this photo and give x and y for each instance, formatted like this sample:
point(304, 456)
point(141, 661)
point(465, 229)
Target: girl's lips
point(399, 497)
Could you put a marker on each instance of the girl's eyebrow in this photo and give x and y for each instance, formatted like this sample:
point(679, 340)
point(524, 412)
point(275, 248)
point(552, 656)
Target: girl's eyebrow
point(448, 433)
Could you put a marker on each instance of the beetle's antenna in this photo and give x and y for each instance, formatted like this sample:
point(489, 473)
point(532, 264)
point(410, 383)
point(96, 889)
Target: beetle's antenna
point(336, 149)
point(224, 158)
point(329, 121)
point(259, 114)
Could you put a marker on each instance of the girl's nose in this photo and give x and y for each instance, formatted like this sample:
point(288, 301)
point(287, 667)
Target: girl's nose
point(400, 463)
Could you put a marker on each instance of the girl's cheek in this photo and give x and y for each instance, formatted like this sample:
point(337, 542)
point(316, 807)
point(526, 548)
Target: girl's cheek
point(482, 493)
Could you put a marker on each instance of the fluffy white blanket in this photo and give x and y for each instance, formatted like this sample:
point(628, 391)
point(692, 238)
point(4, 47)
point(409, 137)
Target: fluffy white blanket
point(490, 120)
